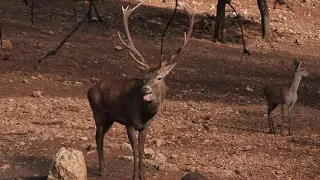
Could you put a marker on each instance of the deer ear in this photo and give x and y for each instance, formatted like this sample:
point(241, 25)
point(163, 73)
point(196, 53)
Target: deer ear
point(298, 65)
point(167, 69)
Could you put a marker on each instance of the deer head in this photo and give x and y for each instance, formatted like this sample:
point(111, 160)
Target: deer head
point(154, 86)
point(301, 72)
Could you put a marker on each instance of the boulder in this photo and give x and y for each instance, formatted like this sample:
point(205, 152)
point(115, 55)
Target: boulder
point(194, 176)
point(68, 164)
point(5, 49)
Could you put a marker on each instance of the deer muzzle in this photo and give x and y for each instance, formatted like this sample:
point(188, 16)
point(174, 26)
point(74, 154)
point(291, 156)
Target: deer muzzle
point(147, 93)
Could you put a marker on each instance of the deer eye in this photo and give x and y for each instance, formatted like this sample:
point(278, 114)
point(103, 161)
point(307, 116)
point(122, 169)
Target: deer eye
point(159, 78)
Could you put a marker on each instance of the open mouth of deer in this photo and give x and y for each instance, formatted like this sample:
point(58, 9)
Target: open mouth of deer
point(148, 96)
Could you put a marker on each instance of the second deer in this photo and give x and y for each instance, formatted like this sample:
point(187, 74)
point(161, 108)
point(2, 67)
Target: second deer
point(286, 96)
point(132, 102)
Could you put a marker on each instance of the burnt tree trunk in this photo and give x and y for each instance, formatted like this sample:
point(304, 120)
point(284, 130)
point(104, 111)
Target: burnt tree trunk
point(219, 29)
point(265, 19)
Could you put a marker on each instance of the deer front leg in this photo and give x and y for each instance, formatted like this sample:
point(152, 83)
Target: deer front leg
point(270, 121)
point(283, 116)
point(142, 139)
point(290, 113)
point(133, 142)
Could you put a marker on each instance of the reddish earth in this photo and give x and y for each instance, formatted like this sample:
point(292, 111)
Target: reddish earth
point(210, 123)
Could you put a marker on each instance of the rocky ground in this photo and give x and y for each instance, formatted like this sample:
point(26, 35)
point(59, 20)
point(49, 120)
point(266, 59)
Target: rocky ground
point(214, 119)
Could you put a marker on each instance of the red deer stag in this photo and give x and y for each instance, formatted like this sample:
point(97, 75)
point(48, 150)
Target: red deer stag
point(132, 102)
point(284, 95)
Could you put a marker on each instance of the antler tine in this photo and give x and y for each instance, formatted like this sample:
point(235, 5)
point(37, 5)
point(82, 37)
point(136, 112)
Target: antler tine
point(126, 13)
point(186, 38)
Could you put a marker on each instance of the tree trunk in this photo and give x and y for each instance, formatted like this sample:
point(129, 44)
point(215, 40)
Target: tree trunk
point(265, 20)
point(91, 13)
point(219, 29)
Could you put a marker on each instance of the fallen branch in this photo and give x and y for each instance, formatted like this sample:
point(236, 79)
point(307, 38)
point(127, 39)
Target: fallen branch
point(239, 18)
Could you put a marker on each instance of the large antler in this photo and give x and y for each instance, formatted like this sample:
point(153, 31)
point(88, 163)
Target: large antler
point(126, 13)
point(185, 41)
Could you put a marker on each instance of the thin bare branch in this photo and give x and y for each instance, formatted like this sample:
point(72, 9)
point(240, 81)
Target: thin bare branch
point(168, 26)
point(239, 18)
point(130, 45)
point(53, 52)
point(98, 15)
point(0, 35)
point(32, 7)
point(186, 38)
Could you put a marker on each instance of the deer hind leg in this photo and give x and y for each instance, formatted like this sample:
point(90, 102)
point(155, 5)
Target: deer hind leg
point(271, 107)
point(103, 124)
point(133, 142)
point(141, 140)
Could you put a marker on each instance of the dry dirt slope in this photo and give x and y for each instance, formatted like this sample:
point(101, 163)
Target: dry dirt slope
point(209, 123)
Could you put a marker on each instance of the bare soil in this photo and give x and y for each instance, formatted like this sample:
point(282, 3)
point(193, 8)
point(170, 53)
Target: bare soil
point(210, 122)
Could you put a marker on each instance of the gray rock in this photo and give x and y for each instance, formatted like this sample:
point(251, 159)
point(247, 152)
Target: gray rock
point(68, 165)
point(5, 49)
point(118, 48)
point(37, 94)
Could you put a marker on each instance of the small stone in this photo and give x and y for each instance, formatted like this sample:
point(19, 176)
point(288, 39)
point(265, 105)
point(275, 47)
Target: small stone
point(298, 42)
point(25, 80)
point(174, 156)
point(50, 32)
point(5, 167)
point(247, 148)
point(91, 147)
point(159, 142)
point(37, 94)
point(33, 138)
point(94, 80)
point(84, 138)
point(248, 89)
point(95, 19)
point(33, 77)
point(128, 158)
point(279, 172)
point(22, 143)
point(125, 146)
point(118, 48)
point(78, 83)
